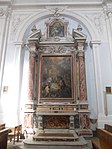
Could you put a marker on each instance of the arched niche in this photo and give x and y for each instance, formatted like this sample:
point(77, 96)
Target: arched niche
point(89, 29)
point(24, 29)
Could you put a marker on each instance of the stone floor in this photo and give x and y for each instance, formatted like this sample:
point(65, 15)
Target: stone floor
point(17, 145)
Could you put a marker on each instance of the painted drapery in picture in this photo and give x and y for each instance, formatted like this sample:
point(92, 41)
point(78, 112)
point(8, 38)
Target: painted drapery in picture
point(56, 77)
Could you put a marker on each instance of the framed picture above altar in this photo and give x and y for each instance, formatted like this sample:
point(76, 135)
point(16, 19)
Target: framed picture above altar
point(56, 77)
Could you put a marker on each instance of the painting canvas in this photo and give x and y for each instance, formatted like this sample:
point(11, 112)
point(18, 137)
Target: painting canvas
point(56, 30)
point(56, 77)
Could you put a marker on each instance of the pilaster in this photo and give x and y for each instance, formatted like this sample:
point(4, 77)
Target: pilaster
point(98, 82)
point(108, 22)
point(4, 23)
point(17, 78)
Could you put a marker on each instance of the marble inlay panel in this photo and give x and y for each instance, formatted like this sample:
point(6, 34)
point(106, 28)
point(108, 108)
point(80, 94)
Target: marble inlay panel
point(56, 122)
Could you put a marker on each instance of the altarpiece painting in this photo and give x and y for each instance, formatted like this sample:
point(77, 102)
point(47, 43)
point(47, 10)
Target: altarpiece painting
point(57, 29)
point(56, 77)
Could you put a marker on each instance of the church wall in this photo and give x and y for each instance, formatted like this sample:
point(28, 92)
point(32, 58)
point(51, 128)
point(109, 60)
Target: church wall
point(4, 22)
point(20, 26)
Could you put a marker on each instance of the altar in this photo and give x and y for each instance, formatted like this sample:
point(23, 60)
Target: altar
point(61, 114)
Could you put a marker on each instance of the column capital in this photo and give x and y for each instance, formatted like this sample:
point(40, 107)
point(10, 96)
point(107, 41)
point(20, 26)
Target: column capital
point(33, 48)
point(80, 46)
point(5, 12)
point(95, 42)
point(33, 40)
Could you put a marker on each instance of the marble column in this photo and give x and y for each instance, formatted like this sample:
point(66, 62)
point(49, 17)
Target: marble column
point(31, 76)
point(32, 55)
point(36, 79)
point(81, 70)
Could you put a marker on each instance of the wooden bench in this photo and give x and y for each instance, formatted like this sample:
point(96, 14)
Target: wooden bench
point(3, 136)
point(14, 133)
point(104, 140)
point(108, 128)
point(96, 143)
point(2, 126)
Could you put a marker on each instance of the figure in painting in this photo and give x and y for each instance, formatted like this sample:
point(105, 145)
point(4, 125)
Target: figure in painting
point(56, 30)
point(56, 77)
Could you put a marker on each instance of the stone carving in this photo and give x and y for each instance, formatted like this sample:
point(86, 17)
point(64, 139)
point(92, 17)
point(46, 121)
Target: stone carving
point(56, 11)
point(56, 49)
point(56, 28)
point(16, 22)
point(6, 12)
point(98, 20)
point(2, 12)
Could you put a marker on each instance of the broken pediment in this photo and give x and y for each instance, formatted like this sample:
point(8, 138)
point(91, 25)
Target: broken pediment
point(35, 36)
point(77, 34)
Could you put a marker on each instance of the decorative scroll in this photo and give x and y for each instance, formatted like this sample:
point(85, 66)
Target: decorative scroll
point(56, 122)
point(57, 49)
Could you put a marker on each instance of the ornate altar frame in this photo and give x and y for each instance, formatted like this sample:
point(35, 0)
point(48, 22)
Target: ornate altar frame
point(56, 28)
point(52, 107)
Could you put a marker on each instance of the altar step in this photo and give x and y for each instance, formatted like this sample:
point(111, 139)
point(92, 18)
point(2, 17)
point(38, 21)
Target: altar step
point(55, 137)
point(81, 143)
point(52, 139)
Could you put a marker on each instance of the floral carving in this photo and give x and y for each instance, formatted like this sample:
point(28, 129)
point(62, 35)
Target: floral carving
point(98, 20)
point(57, 49)
point(17, 20)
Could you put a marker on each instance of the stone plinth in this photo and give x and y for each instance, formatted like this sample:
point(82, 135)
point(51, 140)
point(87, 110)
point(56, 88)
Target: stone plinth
point(63, 139)
point(31, 144)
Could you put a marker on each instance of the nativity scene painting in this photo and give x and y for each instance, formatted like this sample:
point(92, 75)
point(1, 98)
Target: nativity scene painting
point(56, 77)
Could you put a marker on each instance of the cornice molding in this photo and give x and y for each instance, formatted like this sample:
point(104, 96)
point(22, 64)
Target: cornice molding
point(5, 2)
point(28, 4)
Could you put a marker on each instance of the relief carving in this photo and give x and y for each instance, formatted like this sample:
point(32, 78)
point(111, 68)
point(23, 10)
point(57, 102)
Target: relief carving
point(17, 20)
point(2, 12)
point(57, 49)
point(56, 11)
point(5, 12)
point(98, 20)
